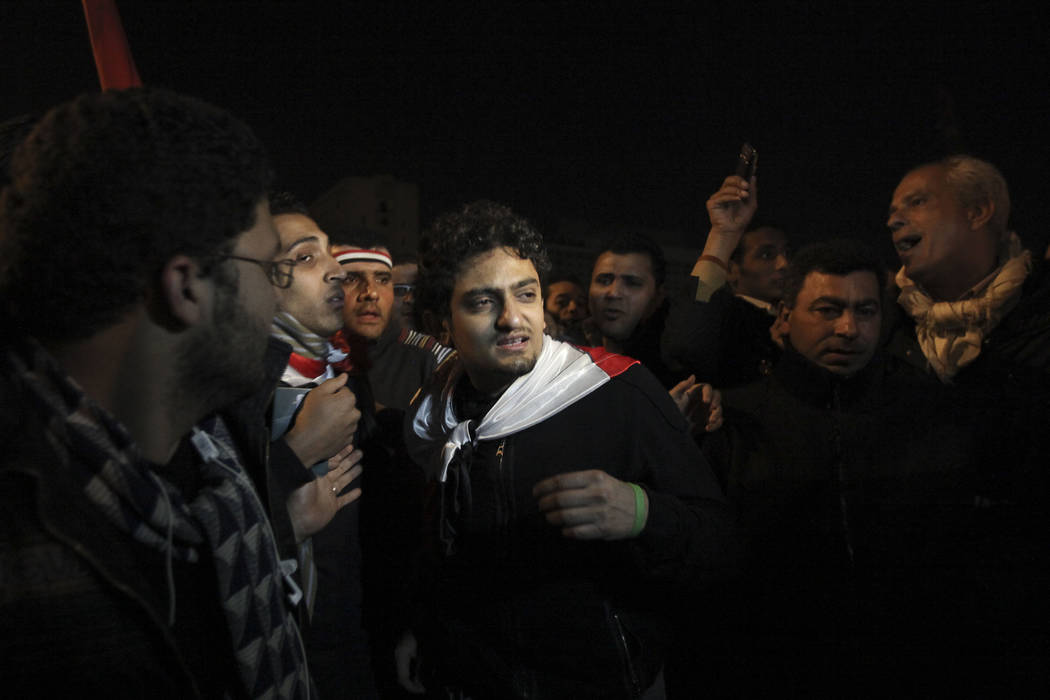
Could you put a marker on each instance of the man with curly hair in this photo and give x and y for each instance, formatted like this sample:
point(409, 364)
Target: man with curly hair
point(572, 503)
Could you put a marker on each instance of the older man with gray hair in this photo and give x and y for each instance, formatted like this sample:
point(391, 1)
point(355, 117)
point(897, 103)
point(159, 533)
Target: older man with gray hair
point(973, 308)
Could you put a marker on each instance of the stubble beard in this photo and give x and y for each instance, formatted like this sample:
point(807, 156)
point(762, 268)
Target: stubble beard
point(225, 361)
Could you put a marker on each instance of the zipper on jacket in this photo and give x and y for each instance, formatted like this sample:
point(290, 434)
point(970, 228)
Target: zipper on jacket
point(635, 685)
point(840, 473)
point(503, 491)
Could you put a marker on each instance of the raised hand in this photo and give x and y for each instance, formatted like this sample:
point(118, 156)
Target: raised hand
point(313, 505)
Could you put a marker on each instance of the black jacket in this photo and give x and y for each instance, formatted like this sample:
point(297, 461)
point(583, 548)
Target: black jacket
point(865, 550)
point(520, 611)
point(724, 341)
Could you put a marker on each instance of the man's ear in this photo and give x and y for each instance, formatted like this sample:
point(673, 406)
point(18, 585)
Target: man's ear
point(980, 214)
point(732, 274)
point(781, 327)
point(183, 296)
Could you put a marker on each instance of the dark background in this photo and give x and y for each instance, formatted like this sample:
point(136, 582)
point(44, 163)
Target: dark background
point(610, 113)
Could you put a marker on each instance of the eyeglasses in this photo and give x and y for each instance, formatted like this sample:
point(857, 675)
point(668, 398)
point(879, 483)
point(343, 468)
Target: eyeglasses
point(401, 290)
point(279, 272)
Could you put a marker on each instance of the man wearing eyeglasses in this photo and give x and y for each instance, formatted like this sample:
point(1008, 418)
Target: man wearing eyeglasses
point(335, 416)
point(136, 555)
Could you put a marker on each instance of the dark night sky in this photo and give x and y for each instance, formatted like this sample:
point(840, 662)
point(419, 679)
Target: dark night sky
point(589, 111)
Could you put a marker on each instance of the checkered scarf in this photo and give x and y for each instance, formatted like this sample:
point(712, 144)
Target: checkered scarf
point(225, 520)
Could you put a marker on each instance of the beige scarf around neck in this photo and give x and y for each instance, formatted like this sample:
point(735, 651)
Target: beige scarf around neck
point(950, 333)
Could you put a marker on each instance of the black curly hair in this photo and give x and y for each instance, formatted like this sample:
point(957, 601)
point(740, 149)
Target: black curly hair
point(109, 187)
point(627, 243)
point(455, 238)
point(840, 256)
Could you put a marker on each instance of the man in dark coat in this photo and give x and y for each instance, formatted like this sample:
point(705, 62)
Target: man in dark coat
point(721, 334)
point(572, 503)
point(852, 482)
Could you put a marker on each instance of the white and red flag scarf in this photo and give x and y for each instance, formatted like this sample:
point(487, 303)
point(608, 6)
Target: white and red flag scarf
point(563, 375)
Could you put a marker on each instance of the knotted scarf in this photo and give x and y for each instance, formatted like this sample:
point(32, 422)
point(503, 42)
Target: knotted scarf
point(950, 333)
point(443, 443)
point(312, 356)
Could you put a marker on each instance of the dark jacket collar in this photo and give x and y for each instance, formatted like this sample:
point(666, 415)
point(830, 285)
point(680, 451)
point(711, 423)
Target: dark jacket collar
point(817, 386)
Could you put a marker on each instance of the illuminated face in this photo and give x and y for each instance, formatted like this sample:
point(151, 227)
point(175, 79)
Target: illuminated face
point(315, 297)
point(566, 302)
point(623, 293)
point(760, 271)
point(940, 244)
point(369, 292)
point(496, 319)
point(834, 322)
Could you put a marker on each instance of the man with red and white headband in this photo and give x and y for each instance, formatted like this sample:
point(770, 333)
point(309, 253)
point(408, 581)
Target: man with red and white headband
point(397, 360)
point(387, 365)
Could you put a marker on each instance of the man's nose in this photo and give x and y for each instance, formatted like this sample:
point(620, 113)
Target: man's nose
point(333, 271)
point(895, 221)
point(368, 289)
point(781, 262)
point(509, 315)
point(846, 325)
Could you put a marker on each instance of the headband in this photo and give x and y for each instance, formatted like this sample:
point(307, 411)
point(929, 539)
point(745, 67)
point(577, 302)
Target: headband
point(349, 255)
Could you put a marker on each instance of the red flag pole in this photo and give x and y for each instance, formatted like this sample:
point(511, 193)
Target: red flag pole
point(116, 67)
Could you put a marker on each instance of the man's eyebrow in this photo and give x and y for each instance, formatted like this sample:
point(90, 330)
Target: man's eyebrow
point(839, 301)
point(496, 291)
point(481, 291)
point(905, 197)
point(300, 241)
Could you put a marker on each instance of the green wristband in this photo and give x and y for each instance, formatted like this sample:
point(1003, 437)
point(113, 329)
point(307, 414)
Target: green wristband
point(640, 510)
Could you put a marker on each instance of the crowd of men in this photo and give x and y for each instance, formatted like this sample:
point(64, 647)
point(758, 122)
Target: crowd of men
point(250, 452)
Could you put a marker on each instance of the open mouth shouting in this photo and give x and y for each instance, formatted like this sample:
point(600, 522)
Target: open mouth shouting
point(907, 242)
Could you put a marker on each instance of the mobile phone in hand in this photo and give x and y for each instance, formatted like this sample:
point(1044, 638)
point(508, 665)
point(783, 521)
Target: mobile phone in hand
point(746, 161)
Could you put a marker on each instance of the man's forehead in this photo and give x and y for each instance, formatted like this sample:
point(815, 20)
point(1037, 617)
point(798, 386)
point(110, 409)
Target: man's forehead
point(495, 268)
point(765, 236)
point(634, 264)
point(295, 229)
point(565, 287)
point(854, 286)
point(923, 178)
